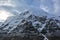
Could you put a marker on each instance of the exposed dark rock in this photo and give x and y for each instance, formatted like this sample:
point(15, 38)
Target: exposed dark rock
point(27, 31)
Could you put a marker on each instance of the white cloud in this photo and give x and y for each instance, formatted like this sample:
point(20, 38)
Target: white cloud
point(6, 3)
point(57, 6)
point(51, 6)
point(45, 8)
point(4, 14)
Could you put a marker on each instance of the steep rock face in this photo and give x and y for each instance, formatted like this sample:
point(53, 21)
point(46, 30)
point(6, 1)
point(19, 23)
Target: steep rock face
point(27, 24)
point(38, 26)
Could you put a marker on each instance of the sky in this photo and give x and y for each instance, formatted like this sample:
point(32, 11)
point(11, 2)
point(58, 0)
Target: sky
point(9, 7)
point(52, 6)
point(4, 15)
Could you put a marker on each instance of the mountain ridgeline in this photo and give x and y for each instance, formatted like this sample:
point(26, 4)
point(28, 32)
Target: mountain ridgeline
point(27, 26)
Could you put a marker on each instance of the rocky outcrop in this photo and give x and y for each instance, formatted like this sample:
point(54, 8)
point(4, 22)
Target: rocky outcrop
point(34, 28)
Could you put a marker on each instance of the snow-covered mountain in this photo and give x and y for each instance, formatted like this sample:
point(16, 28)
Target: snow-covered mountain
point(30, 18)
point(28, 22)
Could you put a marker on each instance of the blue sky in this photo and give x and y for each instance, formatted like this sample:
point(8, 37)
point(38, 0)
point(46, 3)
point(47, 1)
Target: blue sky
point(51, 6)
point(17, 6)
